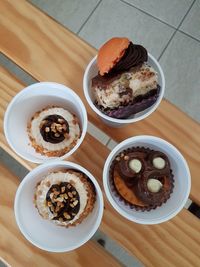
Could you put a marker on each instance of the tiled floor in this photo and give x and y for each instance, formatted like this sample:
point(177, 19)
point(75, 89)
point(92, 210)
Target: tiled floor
point(169, 29)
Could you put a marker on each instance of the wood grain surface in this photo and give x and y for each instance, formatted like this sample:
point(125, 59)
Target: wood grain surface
point(49, 52)
point(174, 243)
point(18, 252)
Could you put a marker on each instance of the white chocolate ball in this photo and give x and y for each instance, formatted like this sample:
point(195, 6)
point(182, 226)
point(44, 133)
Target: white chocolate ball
point(154, 185)
point(135, 165)
point(159, 163)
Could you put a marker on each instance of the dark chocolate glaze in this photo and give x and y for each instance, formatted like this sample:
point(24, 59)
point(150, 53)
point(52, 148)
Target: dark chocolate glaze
point(53, 129)
point(67, 211)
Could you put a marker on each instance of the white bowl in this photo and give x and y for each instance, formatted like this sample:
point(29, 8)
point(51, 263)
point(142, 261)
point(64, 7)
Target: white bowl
point(92, 70)
point(32, 99)
point(43, 233)
point(182, 182)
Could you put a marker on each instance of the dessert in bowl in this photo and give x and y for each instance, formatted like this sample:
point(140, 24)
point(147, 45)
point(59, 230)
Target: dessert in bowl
point(45, 121)
point(58, 206)
point(123, 83)
point(146, 179)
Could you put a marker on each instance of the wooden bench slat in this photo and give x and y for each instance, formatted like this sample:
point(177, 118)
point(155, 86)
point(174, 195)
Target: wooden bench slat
point(48, 51)
point(18, 252)
point(153, 245)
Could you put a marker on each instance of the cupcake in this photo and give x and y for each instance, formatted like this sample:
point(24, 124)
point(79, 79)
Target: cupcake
point(142, 178)
point(126, 84)
point(65, 197)
point(53, 131)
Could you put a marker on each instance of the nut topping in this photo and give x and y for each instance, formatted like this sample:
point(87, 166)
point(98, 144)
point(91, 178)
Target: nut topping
point(63, 201)
point(75, 202)
point(135, 165)
point(47, 129)
point(159, 163)
point(154, 185)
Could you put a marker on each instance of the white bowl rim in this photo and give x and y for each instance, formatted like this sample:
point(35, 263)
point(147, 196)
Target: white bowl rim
point(124, 121)
point(117, 149)
point(31, 175)
point(23, 92)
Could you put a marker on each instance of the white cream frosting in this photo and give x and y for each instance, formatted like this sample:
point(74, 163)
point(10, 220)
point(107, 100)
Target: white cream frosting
point(74, 129)
point(140, 81)
point(55, 178)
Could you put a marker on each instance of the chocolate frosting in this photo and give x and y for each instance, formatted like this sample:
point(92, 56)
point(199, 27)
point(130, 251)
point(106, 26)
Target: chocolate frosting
point(54, 128)
point(63, 201)
point(134, 55)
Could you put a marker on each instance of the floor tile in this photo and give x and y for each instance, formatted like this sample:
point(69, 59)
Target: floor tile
point(115, 18)
point(169, 11)
point(181, 65)
point(191, 23)
point(71, 14)
point(97, 134)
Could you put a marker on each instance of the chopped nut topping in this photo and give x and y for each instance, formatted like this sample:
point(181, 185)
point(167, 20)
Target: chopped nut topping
point(59, 204)
point(65, 196)
point(47, 129)
point(60, 120)
point(49, 204)
point(126, 157)
point(62, 189)
point(59, 199)
point(66, 215)
point(74, 193)
point(70, 195)
point(52, 195)
point(75, 202)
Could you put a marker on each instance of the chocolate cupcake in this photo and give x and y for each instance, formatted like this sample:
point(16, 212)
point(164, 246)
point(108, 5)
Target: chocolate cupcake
point(54, 131)
point(125, 84)
point(65, 197)
point(142, 178)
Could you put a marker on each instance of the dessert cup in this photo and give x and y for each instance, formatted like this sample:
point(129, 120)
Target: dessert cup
point(181, 175)
point(27, 103)
point(43, 233)
point(92, 70)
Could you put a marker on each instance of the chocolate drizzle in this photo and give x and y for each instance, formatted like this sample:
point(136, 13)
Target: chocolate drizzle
point(54, 129)
point(63, 201)
point(134, 55)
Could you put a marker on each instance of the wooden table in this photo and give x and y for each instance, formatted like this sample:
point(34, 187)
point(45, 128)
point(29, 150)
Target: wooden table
point(49, 52)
